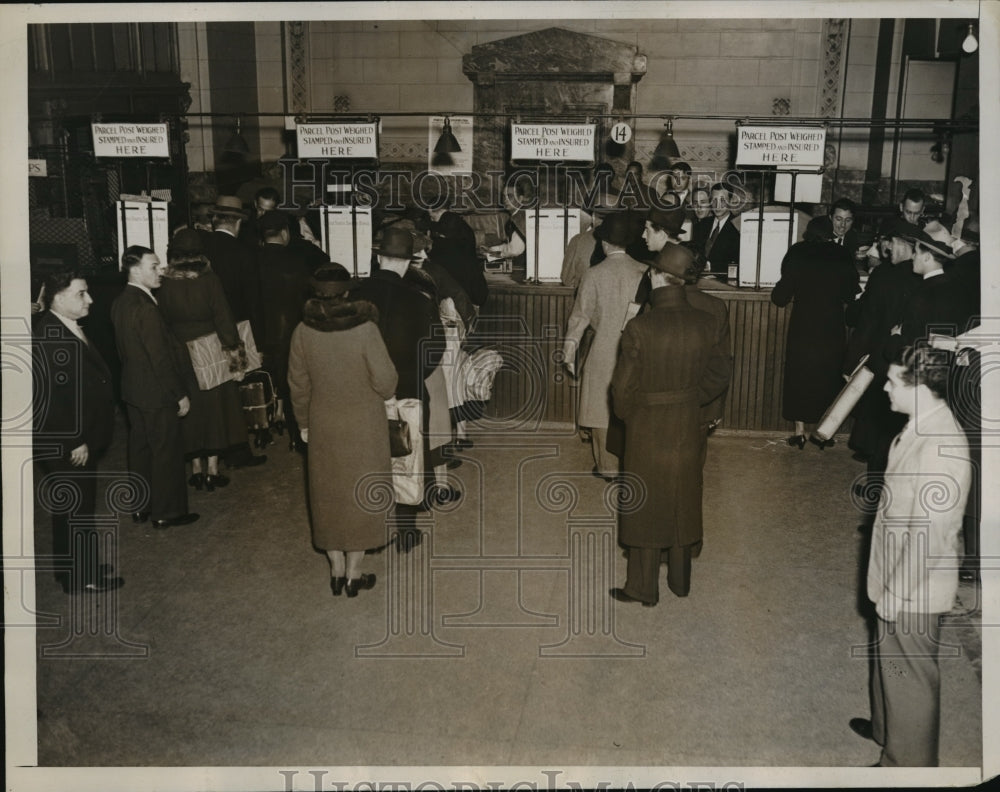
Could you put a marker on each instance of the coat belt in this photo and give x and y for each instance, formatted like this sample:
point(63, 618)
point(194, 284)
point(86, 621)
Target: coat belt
point(652, 398)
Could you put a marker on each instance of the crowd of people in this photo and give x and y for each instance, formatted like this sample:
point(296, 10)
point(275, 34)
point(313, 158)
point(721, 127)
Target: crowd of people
point(652, 350)
point(256, 274)
point(897, 301)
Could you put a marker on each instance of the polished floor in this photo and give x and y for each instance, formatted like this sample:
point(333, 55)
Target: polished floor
point(494, 642)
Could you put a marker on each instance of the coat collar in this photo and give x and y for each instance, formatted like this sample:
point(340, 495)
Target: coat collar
point(329, 316)
point(668, 297)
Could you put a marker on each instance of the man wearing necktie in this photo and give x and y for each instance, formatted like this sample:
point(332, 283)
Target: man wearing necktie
point(156, 378)
point(717, 235)
point(73, 422)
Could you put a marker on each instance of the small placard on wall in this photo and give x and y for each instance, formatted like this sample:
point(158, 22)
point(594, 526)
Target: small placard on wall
point(38, 167)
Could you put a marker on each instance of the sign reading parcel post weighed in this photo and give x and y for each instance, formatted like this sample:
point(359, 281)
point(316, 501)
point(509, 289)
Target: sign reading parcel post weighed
point(337, 140)
point(793, 147)
point(552, 141)
point(130, 140)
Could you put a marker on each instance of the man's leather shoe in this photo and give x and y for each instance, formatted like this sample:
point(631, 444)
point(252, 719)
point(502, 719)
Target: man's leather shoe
point(171, 522)
point(863, 728)
point(140, 517)
point(619, 595)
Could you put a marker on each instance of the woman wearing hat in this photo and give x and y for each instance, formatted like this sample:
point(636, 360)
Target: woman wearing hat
point(193, 304)
point(339, 376)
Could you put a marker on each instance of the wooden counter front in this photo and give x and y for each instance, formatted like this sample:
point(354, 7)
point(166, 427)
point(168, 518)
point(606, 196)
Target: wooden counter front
point(527, 323)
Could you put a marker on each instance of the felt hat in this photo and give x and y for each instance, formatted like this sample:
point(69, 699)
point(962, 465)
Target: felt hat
point(229, 205)
point(185, 243)
point(396, 242)
point(670, 220)
point(331, 280)
point(616, 229)
point(676, 260)
point(273, 220)
point(915, 234)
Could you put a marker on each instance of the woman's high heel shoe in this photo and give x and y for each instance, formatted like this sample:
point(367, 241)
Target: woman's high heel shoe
point(352, 587)
point(197, 481)
point(337, 585)
point(213, 480)
point(823, 444)
point(796, 440)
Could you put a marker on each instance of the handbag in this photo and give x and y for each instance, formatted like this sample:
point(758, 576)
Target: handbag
point(213, 365)
point(400, 442)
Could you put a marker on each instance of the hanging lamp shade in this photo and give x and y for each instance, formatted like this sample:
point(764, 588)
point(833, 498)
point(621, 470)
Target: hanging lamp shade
point(666, 150)
point(237, 144)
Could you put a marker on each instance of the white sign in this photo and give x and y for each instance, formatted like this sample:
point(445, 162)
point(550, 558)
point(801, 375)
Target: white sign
point(552, 142)
point(621, 133)
point(142, 222)
point(773, 248)
point(337, 141)
point(555, 228)
point(38, 167)
point(130, 140)
point(347, 237)
point(796, 147)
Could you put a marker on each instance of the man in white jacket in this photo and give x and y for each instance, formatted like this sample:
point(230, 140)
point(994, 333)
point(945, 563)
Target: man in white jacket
point(913, 565)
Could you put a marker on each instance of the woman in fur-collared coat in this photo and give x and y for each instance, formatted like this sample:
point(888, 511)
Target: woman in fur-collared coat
point(194, 304)
point(339, 376)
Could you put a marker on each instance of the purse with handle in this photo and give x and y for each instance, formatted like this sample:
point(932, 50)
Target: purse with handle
point(400, 442)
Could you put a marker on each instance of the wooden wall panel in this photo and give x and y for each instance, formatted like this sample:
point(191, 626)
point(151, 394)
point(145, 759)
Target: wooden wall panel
point(527, 322)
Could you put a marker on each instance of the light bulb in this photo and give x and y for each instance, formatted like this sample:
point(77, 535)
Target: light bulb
point(970, 44)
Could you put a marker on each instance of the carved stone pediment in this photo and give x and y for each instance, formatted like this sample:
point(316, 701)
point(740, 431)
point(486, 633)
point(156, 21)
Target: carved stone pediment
point(544, 54)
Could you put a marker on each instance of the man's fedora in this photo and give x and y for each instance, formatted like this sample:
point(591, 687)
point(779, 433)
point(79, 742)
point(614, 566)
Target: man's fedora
point(396, 242)
point(670, 220)
point(229, 205)
point(617, 229)
point(912, 233)
point(678, 261)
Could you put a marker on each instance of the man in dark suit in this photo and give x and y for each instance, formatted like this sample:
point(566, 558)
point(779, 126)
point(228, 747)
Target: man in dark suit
point(156, 376)
point(453, 246)
point(717, 237)
point(284, 280)
point(232, 258)
point(939, 304)
point(235, 262)
point(74, 422)
point(879, 310)
point(838, 227)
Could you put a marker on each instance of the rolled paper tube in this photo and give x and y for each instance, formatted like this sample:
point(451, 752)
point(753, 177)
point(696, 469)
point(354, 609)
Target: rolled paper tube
point(844, 403)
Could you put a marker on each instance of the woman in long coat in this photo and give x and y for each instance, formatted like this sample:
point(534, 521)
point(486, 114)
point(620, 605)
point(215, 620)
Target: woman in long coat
point(193, 303)
point(820, 279)
point(672, 362)
point(339, 376)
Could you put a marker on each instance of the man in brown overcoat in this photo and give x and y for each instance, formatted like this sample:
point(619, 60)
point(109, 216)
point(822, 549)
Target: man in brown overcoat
point(672, 362)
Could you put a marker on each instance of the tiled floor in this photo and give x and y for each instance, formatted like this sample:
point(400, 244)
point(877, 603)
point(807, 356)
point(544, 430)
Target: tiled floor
point(495, 642)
